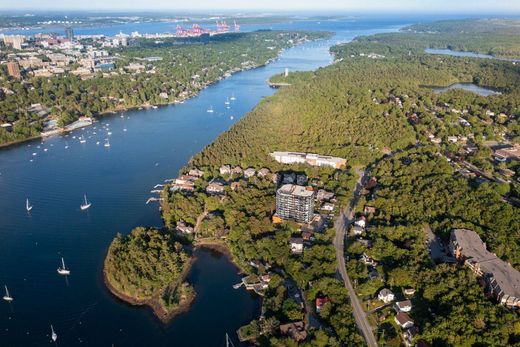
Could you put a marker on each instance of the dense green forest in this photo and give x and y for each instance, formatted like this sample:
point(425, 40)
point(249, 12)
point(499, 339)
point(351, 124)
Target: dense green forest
point(144, 263)
point(186, 67)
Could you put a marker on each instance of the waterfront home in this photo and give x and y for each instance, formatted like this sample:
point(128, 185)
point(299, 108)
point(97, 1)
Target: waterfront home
point(386, 295)
point(263, 172)
point(324, 195)
point(249, 172)
point(196, 173)
point(215, 188)
point(296, 244)
point(320, 302)
point(296, 330)
point(501, 280)
point(182, 228)
point(225, 170)
point(403, 306)
point(403, 320)
point(187, 187)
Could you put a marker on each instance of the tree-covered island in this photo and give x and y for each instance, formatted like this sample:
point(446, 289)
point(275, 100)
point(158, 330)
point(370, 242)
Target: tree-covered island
point(435, 161)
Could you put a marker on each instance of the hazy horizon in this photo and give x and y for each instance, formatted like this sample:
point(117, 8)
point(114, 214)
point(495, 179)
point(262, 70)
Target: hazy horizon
point(506, 7)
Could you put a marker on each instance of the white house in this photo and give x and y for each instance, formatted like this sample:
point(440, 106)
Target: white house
point(403, 306)
point(225, 170)
point(386, 295)
point(296, 245)
point(404, 320)
point(249, 172)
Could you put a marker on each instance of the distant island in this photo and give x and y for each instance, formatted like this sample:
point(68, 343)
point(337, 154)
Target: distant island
point(366, 148)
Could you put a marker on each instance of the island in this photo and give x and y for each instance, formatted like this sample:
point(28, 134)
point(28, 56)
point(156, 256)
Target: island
point(365, 166)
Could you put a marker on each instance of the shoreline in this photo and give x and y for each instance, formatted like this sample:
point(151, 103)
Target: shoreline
point(147, 105)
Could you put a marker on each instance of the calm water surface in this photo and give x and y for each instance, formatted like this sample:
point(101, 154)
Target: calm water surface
point(147, 147)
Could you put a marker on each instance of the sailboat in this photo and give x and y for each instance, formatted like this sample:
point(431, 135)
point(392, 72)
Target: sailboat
point(233, 97)
point(82, 139)
point(210, 109)
point(227, 102)
point(107, 143)
point(7, 297)
point(86, 204)
point(228, 341)
point(63, 270)
point(54, 336)
point(28, 206)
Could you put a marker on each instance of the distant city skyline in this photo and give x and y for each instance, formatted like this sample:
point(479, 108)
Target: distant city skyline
point(439, 6)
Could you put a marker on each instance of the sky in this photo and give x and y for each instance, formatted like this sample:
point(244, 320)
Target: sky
point(437, 6)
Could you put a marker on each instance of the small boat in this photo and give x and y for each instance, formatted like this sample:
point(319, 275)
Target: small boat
point(238, 285)
point(227, 102)
point(154, 107)
point(86, 204)
point(66, 145)
point(7, 297)
point(124, 129)
point(109, 133)
point(107, 143)
point(63, 270)
point(28, 206)
point(97, 143)
point(34, 153)
point(232, 97)
point(45, 149)
point(231, 117)
point(54, 336)
point(210, 109)
point(82, 139)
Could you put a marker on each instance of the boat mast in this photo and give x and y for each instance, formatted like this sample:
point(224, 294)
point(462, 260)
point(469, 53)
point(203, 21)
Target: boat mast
point(63, 263)
point(7, 291)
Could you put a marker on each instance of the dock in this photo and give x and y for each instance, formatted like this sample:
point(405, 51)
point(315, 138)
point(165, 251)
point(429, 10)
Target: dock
point(152, 199)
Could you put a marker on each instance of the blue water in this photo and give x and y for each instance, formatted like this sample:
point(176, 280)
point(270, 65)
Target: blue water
point(118, 180)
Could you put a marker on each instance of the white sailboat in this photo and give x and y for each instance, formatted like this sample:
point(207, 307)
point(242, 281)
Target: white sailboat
point(63, 270)
point(210, 109)
point(7, 297)
point(107, 143)
point(227, 102)
point(86, 204)
point(54, 336)
point(28, 206)
point(228, 341)
point(233, 98)
point(82, 139)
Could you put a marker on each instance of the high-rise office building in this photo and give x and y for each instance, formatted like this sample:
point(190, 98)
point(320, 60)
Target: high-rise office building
point(69, 33)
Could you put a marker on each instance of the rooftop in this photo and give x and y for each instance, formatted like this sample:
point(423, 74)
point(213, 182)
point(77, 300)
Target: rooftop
point(296, 190)
point(475, 251)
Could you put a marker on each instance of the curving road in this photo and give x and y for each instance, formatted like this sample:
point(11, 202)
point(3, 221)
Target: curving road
point(342, 223)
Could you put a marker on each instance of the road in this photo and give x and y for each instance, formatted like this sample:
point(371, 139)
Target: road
point(342, 223)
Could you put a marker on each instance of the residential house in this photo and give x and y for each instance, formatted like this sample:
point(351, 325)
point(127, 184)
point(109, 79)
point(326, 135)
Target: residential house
point(249, 172)
point(196, 173)
point(361, 222)
point(369, 210)
point(403, 306)
point(403, 320)
point(409, 334)
point(320, 302)
point(225, 170)
point(296, 245)
point(324, 195)
point(386, 296)
point(182, 228)
point(327, 207)
point(296, 330)
point(306, 235)
point(235, 186)
point(409, 291)
point(215, 188)
point(357, 230)
point(263, 172)
point(237, 170)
